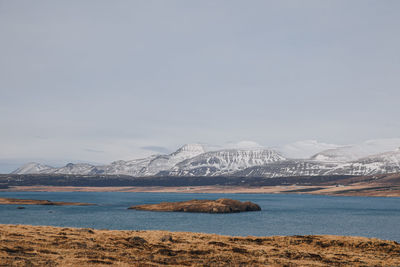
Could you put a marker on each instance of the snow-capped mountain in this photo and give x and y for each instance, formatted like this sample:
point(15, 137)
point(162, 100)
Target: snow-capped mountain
point(224, 162)
point(33, 167)
point(288, 168)
point(154, 164)
point(167, 162)
point(70, 168)
point(388, 162)
point(193, 160)
point(128, 167)
point(138, 167)
point(78, 168)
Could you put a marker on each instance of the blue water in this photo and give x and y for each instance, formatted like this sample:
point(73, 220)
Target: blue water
point(280, 215)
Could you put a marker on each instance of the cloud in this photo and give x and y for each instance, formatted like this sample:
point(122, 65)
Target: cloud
point(367, 148)
point(244, 144)
point(94, 150)
point(308, 148)
point(158, 149)
point(305, 148)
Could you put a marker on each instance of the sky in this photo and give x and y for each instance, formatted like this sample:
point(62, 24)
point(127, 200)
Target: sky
point(98, 81)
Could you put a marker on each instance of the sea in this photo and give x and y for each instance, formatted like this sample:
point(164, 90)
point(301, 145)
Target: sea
point(282, 214)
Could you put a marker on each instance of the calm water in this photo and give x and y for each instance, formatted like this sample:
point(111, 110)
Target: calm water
point(280, 215)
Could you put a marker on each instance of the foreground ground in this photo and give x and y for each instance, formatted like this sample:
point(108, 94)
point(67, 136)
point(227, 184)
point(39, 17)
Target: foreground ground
point(52, 246)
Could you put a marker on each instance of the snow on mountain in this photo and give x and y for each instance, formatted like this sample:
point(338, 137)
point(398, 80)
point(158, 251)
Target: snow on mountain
point(138, 167)
point(78, 168)
point(358, 151)
point(128, 167)
point(192, 160)
point(167, 162)
point(224, 162)
point(154, 164)
point(288, 168)
point(33, 168)
point(388, 162)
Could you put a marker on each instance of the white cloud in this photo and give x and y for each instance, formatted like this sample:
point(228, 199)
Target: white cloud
point(308, 148)
point(364, 149)
point(305, 148)
point(381, 145)
point(244, 144)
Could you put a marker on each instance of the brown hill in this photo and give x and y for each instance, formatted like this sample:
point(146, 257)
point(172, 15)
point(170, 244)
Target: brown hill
point(223, 205)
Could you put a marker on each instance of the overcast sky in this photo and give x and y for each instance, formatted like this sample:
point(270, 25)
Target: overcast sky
point(98, 81)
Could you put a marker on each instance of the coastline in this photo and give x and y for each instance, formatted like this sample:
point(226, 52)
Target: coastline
point(376, 190)
point(45, 245)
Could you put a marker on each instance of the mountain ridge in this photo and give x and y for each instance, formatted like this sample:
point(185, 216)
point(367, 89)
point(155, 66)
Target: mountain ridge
point(194, 160)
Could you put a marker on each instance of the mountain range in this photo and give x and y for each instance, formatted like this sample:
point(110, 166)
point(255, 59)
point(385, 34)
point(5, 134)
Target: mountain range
point(193, 160)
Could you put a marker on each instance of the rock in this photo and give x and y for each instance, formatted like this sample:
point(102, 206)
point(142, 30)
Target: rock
point(86, 230)
point(136, 241)
point(223, 205)
point(20, 208)
point(167, 238)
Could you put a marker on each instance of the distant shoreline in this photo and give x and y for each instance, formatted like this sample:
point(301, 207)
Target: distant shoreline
point(331, 190)
point(17, 201)
point(387, 185)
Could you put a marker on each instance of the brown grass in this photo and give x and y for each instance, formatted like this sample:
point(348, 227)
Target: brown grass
point(55, 246)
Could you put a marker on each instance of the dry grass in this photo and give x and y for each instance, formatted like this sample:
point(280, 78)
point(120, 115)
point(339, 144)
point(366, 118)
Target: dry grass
point(55, 246)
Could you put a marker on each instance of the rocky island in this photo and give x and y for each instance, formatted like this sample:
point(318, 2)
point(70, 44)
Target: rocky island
point(17, 201)
point(223, 205)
